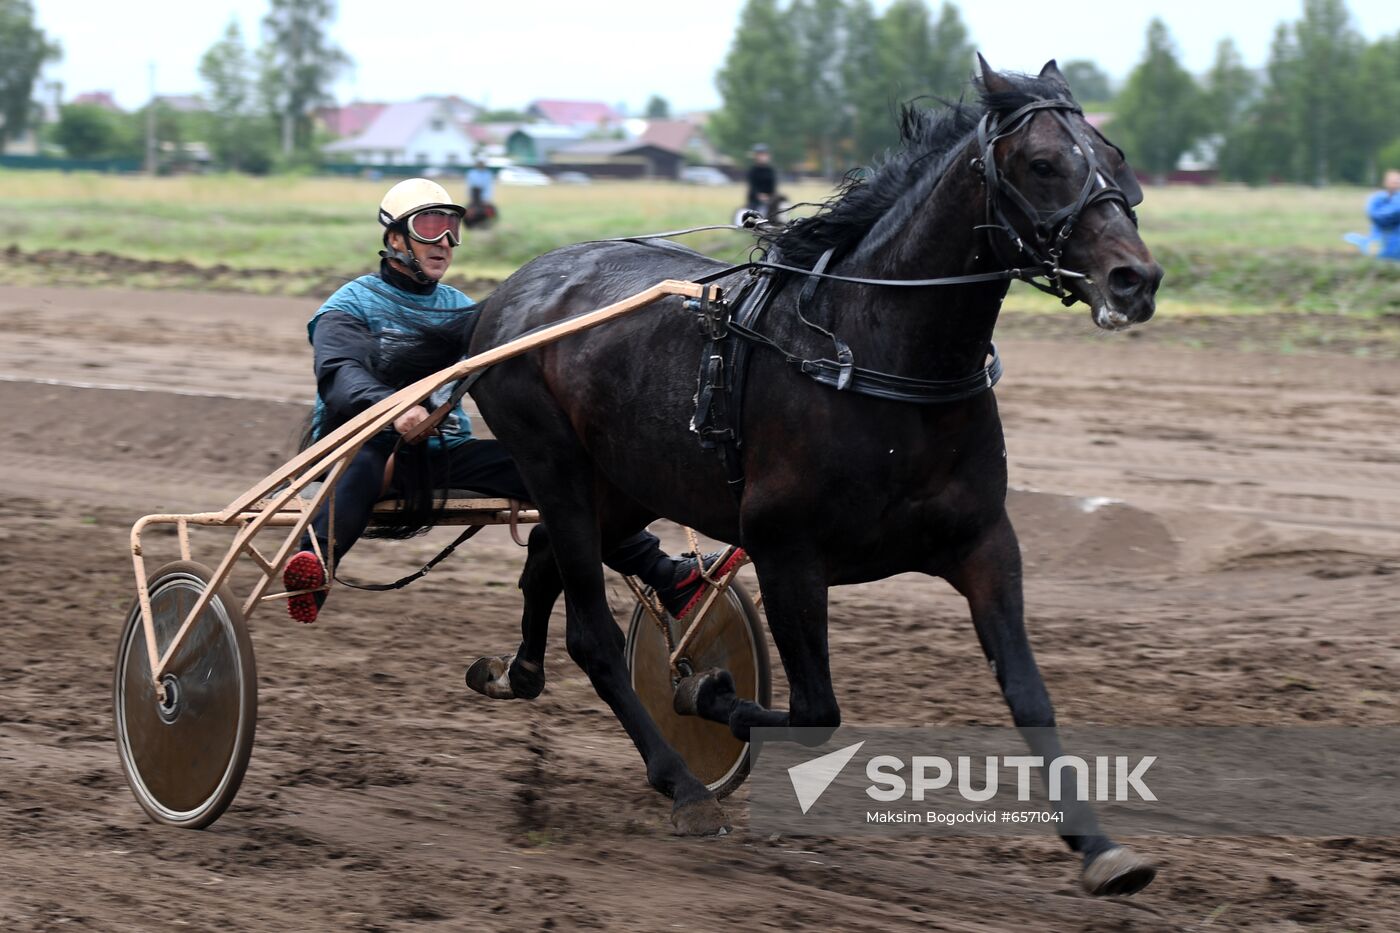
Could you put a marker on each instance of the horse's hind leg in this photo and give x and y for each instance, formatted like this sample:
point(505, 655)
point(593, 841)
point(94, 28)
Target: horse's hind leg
point(990, 579)
point(561, 480)
point(596, 644)
point(795, 602)
point(521, 676)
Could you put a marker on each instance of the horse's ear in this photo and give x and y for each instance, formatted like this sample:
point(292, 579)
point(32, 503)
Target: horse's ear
point(1051, 72)
point(991, 81)
point(1125, 178)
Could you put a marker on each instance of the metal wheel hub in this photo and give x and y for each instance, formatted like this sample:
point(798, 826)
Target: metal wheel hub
point(168, 702)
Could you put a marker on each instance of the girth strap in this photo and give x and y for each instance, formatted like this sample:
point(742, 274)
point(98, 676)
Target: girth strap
point(903, 388)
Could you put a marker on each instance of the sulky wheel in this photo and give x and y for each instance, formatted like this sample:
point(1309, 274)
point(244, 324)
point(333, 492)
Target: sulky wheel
point(185, 756)
point(730, 637)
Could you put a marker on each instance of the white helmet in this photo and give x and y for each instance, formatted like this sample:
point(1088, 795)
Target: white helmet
point(413, 195)
point(422, 210)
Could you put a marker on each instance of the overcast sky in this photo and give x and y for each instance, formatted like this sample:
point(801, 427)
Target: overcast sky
point(619, 51)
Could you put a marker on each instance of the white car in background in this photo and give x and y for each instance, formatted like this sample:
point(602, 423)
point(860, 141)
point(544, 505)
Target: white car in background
point(521, 175)
point(703, 175)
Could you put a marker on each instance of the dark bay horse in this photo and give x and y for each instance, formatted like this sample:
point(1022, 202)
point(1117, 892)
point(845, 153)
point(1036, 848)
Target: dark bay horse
point(839, 487)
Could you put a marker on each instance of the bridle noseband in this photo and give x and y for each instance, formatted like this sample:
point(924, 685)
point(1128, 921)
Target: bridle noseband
point(1052, 229)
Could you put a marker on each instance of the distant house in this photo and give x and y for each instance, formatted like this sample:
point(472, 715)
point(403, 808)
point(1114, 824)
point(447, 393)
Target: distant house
point(103, 99)
point(585, 116)
point(620, 158)
point(490, 138)
point(349, 121)
point(182, 103)
point(684, 137)
point(533, 143)
point(1199, 165)
point(430, 132)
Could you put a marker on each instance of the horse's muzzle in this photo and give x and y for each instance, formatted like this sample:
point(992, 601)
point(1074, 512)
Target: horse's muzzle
point(1132, 291)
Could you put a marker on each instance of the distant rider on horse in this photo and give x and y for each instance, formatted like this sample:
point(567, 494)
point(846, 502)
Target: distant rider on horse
point(763, 181)
point(481, 194)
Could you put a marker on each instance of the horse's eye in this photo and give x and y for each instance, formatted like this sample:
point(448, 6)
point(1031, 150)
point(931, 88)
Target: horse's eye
point(1042, 168)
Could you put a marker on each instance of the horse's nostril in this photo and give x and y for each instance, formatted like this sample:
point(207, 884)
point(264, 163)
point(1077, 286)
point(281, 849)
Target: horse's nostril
point(1130, 281)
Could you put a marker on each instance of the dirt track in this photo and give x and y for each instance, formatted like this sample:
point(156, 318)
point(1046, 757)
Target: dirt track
point(1245, 576)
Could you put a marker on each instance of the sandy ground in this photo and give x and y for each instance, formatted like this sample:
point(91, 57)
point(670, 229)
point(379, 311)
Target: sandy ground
point(1242, 573)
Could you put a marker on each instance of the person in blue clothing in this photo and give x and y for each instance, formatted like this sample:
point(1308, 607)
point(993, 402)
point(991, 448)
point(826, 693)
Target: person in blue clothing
point(481, 183)
point(1384, 211)
point(349, 334)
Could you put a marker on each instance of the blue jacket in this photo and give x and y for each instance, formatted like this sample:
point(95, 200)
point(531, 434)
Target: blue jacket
point(347, 336)
point(1384, 211)
point(484, 179)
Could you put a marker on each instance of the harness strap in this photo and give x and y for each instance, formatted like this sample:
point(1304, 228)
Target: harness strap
point(887, 386)
point(405, 581)
point(719, 392)
point(845, 358)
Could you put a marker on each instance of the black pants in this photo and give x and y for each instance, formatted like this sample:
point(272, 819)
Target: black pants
point(479, 465)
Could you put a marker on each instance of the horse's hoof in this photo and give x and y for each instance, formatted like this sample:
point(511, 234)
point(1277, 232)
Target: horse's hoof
point(693, 691)
point(702, 817)
point(1119, 871)
point(491, 677)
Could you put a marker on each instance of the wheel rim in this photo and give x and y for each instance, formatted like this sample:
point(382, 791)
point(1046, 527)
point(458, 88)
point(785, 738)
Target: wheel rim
point(725, 640)
point(181, 754)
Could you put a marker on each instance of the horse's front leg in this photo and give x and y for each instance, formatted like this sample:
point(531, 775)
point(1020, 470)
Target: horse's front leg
point(990, 579)
point(795, 602)
point(521, 676)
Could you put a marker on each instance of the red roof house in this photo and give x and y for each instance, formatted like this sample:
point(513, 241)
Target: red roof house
point(581, 114)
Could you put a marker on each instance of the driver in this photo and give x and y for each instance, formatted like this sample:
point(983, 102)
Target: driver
point(421, 229)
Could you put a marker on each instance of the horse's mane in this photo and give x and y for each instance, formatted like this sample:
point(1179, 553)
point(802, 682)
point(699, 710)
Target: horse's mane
point(929, 137)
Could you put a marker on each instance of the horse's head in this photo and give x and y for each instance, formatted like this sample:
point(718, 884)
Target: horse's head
point(1061, 196)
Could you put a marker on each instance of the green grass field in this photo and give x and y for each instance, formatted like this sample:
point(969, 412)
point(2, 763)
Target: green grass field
point(1227, 250)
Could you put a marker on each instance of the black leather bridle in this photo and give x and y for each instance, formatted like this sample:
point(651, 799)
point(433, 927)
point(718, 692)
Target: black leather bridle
point(1050, 230)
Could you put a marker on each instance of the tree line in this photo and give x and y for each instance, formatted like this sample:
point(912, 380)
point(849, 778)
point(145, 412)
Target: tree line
point(1322, 110)
point(259, 112)
point(819, 81)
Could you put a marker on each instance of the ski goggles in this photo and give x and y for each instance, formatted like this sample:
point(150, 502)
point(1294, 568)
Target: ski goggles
point(432, 226)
